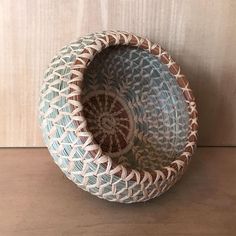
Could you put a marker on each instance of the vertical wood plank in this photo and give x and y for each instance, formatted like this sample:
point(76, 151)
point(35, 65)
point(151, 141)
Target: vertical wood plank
point(200, 35)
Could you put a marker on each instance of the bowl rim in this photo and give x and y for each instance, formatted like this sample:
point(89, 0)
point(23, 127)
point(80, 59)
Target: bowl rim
point(100, 42)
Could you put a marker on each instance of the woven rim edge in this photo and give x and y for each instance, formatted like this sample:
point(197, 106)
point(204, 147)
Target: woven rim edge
point(112, 38)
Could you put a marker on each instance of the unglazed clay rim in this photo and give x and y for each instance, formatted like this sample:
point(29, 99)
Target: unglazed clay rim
point(83, 60)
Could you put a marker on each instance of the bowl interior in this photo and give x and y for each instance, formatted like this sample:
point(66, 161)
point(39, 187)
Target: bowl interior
point(134, 108)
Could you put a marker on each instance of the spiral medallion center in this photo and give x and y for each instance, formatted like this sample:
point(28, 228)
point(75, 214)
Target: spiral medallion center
point(110, 120)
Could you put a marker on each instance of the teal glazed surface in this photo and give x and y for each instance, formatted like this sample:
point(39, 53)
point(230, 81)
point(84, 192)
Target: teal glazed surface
point(115, 119)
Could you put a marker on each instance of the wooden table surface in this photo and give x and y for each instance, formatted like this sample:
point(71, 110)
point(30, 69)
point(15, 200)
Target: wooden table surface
point(36, 199)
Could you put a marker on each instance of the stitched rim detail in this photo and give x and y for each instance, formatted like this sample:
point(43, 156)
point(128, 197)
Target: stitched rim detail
point(111, 38)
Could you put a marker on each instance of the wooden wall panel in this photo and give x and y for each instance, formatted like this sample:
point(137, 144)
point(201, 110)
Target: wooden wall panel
point(200, 35)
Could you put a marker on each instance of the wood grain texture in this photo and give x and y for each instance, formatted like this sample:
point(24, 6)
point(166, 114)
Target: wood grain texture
point(200, 35)
point(37, 199)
